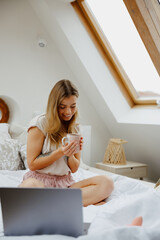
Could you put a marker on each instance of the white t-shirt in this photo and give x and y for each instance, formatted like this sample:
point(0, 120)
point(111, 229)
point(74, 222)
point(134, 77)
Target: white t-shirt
point(60, 166)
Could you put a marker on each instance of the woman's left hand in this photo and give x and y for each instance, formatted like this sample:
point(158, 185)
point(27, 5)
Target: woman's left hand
point(74, 160)
point(81, 143)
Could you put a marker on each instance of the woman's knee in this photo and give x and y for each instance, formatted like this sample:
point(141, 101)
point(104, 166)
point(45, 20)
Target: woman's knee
point(106, 185)
point(32, 182)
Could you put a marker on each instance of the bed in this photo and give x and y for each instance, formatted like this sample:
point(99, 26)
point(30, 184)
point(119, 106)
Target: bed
point(130, 198)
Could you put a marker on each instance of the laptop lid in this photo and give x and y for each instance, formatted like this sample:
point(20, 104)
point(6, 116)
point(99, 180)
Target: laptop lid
point(34, 211)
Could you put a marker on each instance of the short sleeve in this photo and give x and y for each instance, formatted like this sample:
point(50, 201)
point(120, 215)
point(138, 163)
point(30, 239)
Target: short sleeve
point(39, 121)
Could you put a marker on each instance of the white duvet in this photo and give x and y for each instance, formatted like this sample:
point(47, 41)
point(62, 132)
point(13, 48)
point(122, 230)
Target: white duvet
point(130, 198)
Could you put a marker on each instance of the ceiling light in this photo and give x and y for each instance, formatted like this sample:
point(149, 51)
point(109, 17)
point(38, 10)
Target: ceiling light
point(42, 43)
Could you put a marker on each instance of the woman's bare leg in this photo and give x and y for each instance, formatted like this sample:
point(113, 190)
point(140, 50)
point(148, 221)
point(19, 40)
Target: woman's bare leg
point(94, 189)
point(31, 182)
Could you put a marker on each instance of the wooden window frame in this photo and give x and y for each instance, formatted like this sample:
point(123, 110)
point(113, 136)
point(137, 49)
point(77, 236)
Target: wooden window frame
point(107, 53)
point(146, 17)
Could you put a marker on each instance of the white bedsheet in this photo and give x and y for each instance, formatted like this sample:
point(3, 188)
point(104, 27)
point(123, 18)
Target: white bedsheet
point(130, 198)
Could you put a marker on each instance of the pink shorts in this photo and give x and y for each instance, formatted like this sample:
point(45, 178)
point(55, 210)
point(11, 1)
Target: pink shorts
point(53, 181)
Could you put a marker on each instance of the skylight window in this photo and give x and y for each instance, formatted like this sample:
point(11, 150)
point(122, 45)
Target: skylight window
point(119, 29)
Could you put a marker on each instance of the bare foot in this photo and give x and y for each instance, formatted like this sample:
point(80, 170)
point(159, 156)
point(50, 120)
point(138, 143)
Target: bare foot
point(99, 203)
point(137, 221)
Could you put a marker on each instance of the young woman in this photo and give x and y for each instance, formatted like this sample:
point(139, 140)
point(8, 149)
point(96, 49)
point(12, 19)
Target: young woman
point(50, 163)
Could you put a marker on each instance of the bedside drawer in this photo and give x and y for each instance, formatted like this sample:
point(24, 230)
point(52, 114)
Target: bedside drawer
point(130, 169)
point(134, 172)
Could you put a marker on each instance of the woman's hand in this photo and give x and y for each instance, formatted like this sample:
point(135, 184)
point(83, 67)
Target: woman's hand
point(81, 143)
point(69, 149)
point(74, 160)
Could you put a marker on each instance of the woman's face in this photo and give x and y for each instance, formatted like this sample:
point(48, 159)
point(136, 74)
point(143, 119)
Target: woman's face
point(67, 108)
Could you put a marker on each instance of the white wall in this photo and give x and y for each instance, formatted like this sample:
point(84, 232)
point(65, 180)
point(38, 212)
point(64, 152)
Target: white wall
point(28, 72)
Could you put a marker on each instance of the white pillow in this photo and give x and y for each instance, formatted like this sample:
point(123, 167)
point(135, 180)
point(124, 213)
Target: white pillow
point(18, 132)
point(9, 154)
point(4, 131)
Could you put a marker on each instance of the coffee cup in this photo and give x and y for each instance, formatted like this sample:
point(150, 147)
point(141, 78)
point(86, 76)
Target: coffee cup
point(72, 137)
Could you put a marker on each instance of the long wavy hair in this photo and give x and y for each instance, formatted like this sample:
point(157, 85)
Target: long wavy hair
point(55, 128)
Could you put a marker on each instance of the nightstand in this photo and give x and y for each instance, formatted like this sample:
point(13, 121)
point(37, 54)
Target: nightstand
point(130, 169)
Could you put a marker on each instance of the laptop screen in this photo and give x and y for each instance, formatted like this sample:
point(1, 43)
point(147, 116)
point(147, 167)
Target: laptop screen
point(34, 211)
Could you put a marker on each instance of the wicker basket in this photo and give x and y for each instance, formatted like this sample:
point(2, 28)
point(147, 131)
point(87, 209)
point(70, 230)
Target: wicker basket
point(114, 152)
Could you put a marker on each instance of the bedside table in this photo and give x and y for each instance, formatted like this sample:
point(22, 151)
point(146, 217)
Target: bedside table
point(130, 169)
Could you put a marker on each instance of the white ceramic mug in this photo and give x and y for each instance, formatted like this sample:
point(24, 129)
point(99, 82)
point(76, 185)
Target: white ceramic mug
point(72, 137)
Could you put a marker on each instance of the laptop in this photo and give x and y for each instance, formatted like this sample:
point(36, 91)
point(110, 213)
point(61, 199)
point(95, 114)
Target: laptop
point(35, 211)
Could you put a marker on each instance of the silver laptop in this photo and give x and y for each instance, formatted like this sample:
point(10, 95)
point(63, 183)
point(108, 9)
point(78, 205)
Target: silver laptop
point(35, 211)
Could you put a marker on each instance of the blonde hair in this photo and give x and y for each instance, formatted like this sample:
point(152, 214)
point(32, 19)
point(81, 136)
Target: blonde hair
point(54, 127)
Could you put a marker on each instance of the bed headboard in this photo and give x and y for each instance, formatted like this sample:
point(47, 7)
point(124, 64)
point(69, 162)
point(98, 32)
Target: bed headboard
point(86, 152)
